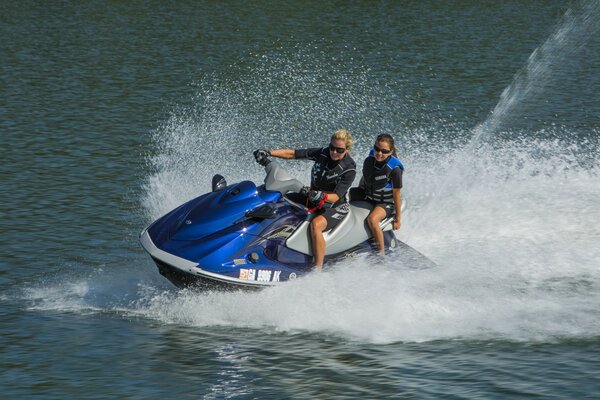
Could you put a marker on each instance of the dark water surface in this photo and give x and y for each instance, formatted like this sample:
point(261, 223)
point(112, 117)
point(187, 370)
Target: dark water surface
point(113, 113)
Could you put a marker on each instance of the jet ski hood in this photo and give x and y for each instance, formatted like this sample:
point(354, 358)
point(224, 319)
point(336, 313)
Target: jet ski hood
point(217, 210)
point(208, 214)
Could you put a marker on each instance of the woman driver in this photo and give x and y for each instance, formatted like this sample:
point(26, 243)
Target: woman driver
point(331, 177)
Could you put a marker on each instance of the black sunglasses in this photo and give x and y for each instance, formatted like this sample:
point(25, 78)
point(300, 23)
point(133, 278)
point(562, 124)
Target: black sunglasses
point(384, 151)
point(338, 150)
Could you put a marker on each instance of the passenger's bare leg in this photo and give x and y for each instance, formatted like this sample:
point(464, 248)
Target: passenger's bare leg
point(373, 220)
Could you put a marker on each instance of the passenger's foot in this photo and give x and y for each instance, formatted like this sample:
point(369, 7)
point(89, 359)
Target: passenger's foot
point(377, 256)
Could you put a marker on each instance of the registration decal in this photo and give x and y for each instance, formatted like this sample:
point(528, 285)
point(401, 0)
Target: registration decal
point(261, 275)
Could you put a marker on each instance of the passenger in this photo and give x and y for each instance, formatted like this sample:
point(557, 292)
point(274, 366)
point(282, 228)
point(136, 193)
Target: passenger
point(331, 177)
point(381, 182)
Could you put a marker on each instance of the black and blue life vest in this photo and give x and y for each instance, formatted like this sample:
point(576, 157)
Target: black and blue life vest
point(378, 182)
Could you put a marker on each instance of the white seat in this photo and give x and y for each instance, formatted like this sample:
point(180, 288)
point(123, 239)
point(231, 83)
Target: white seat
point(350, 232)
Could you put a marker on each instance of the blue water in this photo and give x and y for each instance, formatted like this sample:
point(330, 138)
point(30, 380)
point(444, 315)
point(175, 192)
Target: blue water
point(112, 114)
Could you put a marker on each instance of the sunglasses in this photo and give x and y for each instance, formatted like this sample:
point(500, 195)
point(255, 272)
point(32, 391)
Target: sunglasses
point(338, 150)
point(379, 149)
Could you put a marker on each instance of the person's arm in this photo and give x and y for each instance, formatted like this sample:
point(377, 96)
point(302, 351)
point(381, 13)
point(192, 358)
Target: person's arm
point(332, 198)
point(396, 186)
point(398, 205)
point(343, 186)
point(340, 189)
point(328, 197)
point(312, 153)
point(286, 154)
point(362, 182)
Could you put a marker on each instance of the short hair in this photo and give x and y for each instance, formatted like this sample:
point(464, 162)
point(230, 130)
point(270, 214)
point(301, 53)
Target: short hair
point(344, 135)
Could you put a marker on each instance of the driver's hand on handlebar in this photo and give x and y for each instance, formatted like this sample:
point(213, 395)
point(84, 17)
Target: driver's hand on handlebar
point(262, 157)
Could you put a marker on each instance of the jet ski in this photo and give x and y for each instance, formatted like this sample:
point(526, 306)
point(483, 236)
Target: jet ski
point(248, 236)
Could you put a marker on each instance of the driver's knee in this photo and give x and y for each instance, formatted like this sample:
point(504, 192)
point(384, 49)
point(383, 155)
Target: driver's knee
point(318, 224)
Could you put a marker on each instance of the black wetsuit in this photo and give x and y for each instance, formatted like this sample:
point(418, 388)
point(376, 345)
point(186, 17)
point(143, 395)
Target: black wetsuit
point(330, 176)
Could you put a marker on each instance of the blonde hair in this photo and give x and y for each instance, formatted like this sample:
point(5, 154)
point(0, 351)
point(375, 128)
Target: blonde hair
point(344, 135)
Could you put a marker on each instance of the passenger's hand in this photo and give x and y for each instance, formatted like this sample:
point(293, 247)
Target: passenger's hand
point(316, 198)
point(396, 224)
point(262, 157)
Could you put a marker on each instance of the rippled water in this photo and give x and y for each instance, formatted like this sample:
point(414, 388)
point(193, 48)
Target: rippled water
point(113, 114)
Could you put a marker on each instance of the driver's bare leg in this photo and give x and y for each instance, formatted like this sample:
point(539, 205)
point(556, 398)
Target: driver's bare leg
point(317, 226)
